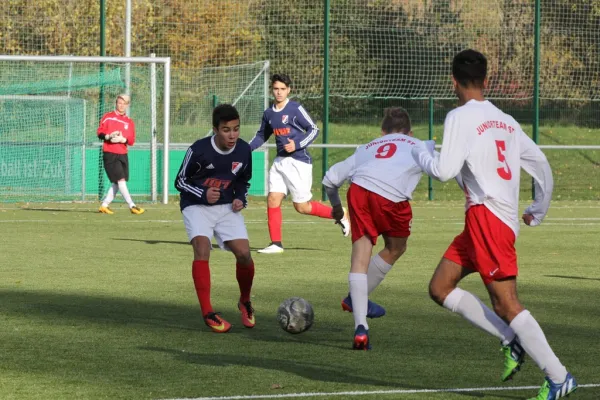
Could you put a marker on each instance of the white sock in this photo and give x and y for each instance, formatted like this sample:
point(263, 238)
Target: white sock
point(534, 342)
point(360, 298)
point(110, 195)
point(125, 192)
point(476, 312)
point(378, 268)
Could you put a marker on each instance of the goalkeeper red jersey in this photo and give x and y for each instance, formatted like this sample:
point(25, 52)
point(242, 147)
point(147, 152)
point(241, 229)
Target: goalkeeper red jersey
point(111, 122)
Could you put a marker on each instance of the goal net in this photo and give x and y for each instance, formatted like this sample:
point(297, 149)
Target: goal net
point(50, 108)
point(197, 91)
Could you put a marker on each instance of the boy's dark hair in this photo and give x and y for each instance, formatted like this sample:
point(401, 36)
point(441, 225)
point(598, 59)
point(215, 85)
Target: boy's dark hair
point(281, 78)
point(224, 113)
point(395, 120)
point(469, 68)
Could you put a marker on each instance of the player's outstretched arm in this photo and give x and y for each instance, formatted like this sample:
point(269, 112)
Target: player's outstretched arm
point(183, 182)
point(333, 180)
point(535, 163)
point(262, 134)
point(452, 157)
point(306, 123)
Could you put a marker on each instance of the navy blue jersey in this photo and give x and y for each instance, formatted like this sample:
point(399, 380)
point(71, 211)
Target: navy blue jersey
point(205, 166)
point(291, 122)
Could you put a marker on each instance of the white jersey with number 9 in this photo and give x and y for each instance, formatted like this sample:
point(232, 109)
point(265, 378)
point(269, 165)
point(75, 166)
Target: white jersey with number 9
point(384, 166)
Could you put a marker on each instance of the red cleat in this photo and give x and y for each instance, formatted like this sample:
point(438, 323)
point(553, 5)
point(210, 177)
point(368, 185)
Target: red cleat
point(216, 323)
point(247, 314)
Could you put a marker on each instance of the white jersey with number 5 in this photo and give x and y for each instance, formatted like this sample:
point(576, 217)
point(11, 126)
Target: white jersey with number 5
point(384, 166)
point(488, 148)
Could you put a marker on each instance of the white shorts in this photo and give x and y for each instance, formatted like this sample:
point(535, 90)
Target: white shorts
point(286, 174)
point(219, 221)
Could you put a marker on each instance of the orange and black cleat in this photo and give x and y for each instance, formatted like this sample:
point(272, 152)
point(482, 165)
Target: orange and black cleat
point(216, 323)
point(247, 314)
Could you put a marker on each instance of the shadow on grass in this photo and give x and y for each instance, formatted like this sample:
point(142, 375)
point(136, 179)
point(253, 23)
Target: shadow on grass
point(312, 371)
point(572, 277)
point(75, 210)
point(308, 370)
point(148, 241)
point(215, 246)
point(66, 307)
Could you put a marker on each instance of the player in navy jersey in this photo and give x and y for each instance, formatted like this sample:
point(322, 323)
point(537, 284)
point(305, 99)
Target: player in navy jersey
point(294, 131)
point(213, 181)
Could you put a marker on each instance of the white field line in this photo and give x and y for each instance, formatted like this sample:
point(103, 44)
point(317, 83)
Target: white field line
point(373, 392)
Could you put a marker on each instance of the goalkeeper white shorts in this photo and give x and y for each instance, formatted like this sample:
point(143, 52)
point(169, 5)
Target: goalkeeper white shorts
point(219, 221)
point(286, 174)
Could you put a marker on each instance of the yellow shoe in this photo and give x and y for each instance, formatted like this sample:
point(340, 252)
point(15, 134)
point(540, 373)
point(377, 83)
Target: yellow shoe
point(105, 210)
point(137, 210)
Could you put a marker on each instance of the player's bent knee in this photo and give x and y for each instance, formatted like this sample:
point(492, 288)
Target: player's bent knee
point(439, 290)
point(201, 246)
point(274, 199)
point(507, 310)
point(244, 259)
point(303, 208)
point(436, 294)
point(397, 251)
point(395, 247)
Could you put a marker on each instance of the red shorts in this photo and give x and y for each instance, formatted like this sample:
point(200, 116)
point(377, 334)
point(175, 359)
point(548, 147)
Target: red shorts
point(372, 215)
point(487, 245)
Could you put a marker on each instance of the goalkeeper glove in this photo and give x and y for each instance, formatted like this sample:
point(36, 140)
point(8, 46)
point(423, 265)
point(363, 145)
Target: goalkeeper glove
point(112, 135)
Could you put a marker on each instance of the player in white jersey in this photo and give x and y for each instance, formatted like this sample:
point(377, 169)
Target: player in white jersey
point(383, 177)
point(488, 148)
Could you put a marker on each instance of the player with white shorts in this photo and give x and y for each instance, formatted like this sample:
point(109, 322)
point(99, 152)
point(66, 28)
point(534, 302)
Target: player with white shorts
point(213, 181)
point(291, 172)
point(219, 221)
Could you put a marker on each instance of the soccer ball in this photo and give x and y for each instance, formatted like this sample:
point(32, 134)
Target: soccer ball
point(295, 315)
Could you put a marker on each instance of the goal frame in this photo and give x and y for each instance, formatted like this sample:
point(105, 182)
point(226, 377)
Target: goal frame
point(152, 61)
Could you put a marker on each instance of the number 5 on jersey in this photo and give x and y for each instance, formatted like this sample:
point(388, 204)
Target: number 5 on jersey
point(504, 171)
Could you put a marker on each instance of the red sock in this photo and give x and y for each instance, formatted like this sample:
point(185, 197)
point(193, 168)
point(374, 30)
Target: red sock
point(245, 276)
point(201, 275)
point(320, 210)
point(274, 218)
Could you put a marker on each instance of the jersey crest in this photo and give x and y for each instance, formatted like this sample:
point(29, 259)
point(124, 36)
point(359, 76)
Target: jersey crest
point(236, 166)
point(285, 118)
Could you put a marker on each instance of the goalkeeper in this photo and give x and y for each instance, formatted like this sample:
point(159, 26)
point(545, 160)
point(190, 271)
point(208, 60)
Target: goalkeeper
point(117, 131)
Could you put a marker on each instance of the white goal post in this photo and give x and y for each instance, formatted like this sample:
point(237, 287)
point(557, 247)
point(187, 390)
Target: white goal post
point(151, 61)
